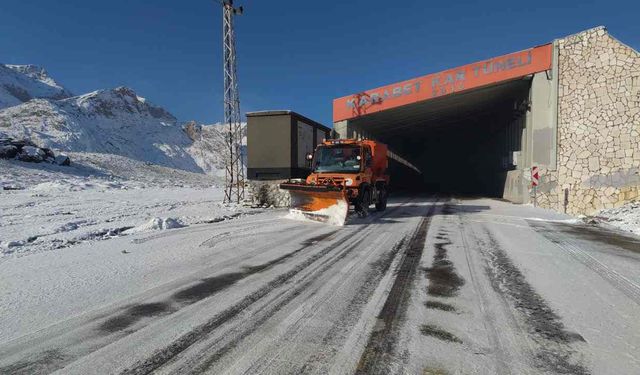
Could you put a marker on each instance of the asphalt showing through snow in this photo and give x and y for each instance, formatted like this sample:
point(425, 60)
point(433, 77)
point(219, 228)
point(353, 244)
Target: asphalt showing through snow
point(381, 343)
point(434, 285)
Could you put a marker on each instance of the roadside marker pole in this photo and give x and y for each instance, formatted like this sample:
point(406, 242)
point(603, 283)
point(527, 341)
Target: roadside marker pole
point(535, 178)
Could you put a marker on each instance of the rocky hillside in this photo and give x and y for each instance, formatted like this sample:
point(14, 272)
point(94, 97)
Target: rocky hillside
point(208, 145)
point(21, 83)
point(115, 121)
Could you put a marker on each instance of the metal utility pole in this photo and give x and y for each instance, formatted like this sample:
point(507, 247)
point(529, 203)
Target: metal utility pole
point(234, 173)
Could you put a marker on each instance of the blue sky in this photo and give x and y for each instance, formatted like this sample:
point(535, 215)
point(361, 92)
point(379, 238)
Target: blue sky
point(295, 55)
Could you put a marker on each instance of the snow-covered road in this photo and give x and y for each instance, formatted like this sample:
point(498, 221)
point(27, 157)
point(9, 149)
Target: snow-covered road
point(433, 285)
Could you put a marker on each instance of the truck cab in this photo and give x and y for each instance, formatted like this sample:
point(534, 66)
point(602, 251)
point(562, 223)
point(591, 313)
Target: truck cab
point(344, 172)
point(357, 167)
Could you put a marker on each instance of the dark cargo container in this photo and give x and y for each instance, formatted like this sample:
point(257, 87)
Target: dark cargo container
point(277, 143)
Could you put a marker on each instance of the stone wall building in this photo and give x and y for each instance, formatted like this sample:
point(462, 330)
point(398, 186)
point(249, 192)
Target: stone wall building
point(598, 135)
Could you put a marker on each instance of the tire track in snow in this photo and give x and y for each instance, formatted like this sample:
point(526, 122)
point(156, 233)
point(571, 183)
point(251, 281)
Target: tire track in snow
point(205, 288)
point(291, 329)
point(163, 356)
point(444, 280)
point(553, 350)
point(502, 357)
point(223, 222)
point(328, 292)
point(272, 308)
point(241, 233)
point(621, 283)
point(122, 321)
point(380, 347)
point(353, 311)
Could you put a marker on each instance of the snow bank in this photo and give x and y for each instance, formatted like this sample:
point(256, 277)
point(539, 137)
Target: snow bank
point(563, 221)
point(157, 223)
point(10, 246)
point(334, 215)
point(626, 217)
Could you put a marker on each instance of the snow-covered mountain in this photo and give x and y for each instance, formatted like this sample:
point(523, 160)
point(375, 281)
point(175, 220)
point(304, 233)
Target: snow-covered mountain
point(21, 83)
point(115, 121)
point(106, 121)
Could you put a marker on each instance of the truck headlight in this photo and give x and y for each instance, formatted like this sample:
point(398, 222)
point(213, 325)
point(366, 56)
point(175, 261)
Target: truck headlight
point(348, 182)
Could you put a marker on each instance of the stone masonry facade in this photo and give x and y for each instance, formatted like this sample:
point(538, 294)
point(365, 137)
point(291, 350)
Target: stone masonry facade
point(598, 126)
point(268, 194)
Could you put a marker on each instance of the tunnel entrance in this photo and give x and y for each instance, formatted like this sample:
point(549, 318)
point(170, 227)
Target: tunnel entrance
point(463, 143)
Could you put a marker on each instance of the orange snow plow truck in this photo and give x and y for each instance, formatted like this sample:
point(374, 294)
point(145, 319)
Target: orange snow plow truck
point(344, 172)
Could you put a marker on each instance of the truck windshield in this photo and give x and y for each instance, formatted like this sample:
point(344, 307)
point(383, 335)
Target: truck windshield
point(341, 159)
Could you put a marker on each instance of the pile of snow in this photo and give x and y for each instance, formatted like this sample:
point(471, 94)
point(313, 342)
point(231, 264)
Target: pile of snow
point(561, 221)
point(11, 246)
point(333, 215)
point(21, 83)
point(626, 217)
point(157, 223)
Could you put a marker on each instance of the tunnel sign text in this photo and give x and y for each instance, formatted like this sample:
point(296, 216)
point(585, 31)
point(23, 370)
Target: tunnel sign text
point(467, 77)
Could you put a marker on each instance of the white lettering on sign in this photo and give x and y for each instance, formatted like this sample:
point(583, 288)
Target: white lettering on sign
point(378, 97)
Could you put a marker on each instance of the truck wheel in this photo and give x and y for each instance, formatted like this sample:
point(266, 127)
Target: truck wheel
point(381, 204)
point(364, 201)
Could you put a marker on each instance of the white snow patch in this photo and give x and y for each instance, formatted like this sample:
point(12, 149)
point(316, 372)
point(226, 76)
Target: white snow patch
point(626, 217)
point(333, 215)
point(11, 244)
point(564, 221)
point(53, 186)
point(157, 223)
point(73, 225)
point(52, 213)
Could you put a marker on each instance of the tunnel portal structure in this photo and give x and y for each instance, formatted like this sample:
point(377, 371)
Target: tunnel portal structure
point(570, 108)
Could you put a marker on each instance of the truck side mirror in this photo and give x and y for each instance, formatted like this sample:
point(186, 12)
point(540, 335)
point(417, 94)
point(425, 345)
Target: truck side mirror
point(308, 160)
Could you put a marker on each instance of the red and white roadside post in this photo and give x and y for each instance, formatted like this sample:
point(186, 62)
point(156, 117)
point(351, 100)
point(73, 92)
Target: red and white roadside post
point(535, 179)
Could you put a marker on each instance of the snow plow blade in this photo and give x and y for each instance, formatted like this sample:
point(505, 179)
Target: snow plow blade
point(327, 204)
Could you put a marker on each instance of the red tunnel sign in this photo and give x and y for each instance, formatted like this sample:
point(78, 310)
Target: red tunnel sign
point(459, 79)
